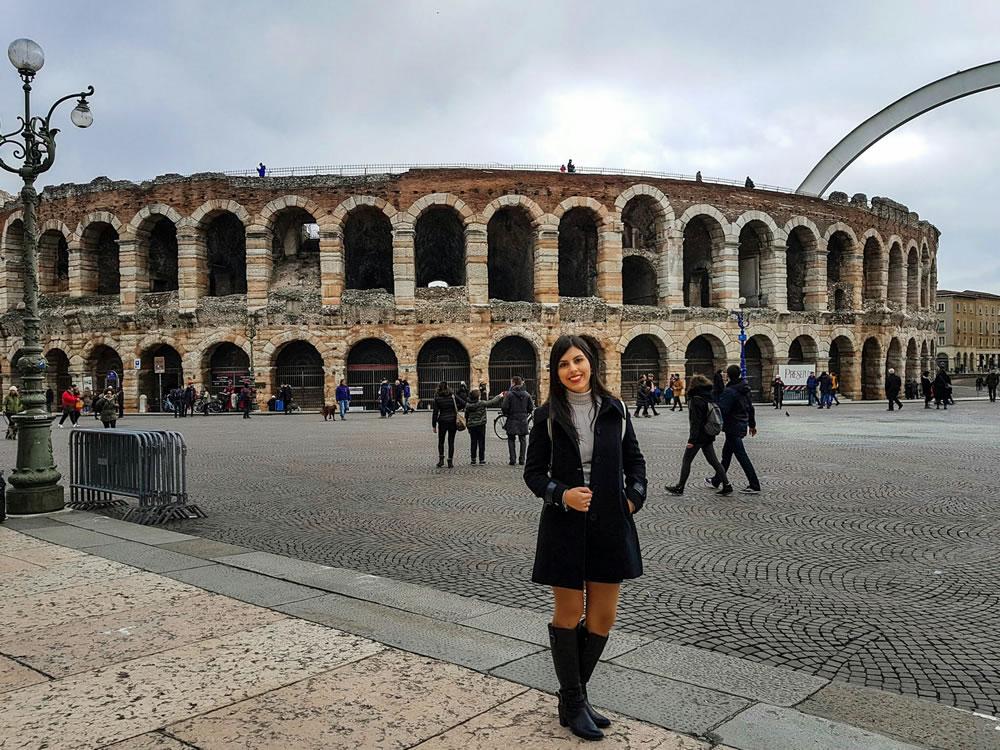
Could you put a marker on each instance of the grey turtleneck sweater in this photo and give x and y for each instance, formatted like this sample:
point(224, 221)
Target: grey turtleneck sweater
point(584, 414)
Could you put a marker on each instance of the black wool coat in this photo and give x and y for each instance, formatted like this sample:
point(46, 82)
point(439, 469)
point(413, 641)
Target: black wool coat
point(601, 545)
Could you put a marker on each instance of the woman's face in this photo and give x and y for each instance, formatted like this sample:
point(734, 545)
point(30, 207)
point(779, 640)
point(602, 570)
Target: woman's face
point(574, 370)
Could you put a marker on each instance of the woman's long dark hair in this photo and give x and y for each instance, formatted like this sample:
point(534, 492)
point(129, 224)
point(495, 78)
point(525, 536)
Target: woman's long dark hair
point(443, 389)
point(559, 409)
point(697, 381)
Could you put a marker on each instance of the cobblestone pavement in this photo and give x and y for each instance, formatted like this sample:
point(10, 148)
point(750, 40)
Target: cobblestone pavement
point(870, 557)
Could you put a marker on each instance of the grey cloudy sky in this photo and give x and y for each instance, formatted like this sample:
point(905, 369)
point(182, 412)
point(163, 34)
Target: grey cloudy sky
point(730, 88)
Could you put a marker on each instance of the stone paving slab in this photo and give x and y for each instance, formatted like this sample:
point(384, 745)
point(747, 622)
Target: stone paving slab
point(658, 700)
point(759, 682)
point(150, 741)
point(411, 632)
point(14, 675)
point(412, 598)
point(906, 718)
point(13, 564)
point(243, 585)
point(21, 523)
point(133, 532)
point(764, 727)
point(45, 554)
point(204, 548)
point(390, 700)
point(128, 634)
point(146, 557)
point(63, 576)
point(526, 722)
point(528, 625)
point(124, 700)
point(72, 536)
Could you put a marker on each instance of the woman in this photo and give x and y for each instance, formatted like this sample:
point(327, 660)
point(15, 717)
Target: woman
point(106, 408)
point(678, 389)
point(475, 419)
point(12, 405)
point(446, 406)
point(641, 397)
point(584, 462)
point(71, 405)
point(778, 392)
point(343, 398)
point(699, 396)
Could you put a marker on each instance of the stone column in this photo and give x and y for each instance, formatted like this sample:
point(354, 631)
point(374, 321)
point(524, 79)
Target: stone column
point(130, 385)
point(408, 370)
point(404, 272)
point(82, 268)
point(609, 261)
point(547, 264)
point(670, 275)
point(725, 278)
point(134, 276)
point(773, 277)
point(192, 266)
point(331, 264)
point(12, 283)
point(854, 267)
point(477, 279)
point(816, 295)
point(259, 265)
point(882, 277)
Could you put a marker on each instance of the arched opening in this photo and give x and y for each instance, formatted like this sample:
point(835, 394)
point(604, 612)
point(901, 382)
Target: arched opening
point(13, 262)
point(872, 270)
point(598, 351)
point(15, 373)
point(912, 361)
point(439, 247)
point(162, 253)
point(913, 279)
point(638, 281)
point(53, 263)
point(226, 246)
point(642, 356)
point(368, 250)
point(925, 266)
point(894, 359)
point(369, 362)
point(704, 355)
point(102, 361)
point(510, 241)
point(154, 386)
point(441, 358)
point(925, 358)
point(944, 361)
point(641, 218)
point(578, 253)
point(300, 365)
point(295, 250)
point(803, 351)
point(838, 253)
point(703, 238)
point(897, 276)
point(759, 355)
point(228, 366)
point(755, 238)
point(57, 376)
point(842, 364)
point(100, 241)
point(872, 370)
point(510, 356)
point(795, 268)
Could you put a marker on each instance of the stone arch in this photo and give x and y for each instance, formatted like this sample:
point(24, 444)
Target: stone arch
point(513, 355)
point(299, 364)
point(747, 217)
point(287, 245)
point(925, 276)
point(340, 213)
point(422, 204)
point(101, 360)
point(151, 385)
point(896, 291)
point(209, 209)
point(275, 343)
point(510, 249)
point(872, 369)
point(704, 353)
point(840, 254)
point(705, 232)
point(578, 246)
point(224, 234)
point(592, 204)
point(99, 254)
point(761, 362)
point(225, 363)
point(841, 356)
point(801, 244)
point(912, 361)
point(520, 331)
point(513, 200)
point(154, 229)
point(153, 210)
point(13, 259)
point(439, 242)
point(636, 199)
point(895, 357)
point(644, 354)
point(643, 189)
point(757, 234)
point(367, 228)
point(639, 286)
point(369, 361)
point(399, 349)
point(268, 215)
point(57, 375)
point(912, 276)
point(803, 350)
point(441, 358)
point(874, 267)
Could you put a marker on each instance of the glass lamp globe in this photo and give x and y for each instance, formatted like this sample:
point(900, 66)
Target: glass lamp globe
point(81, 115)
point(26, 55)
point(742, 300)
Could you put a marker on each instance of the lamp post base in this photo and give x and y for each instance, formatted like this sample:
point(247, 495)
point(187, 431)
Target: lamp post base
point(31, 500)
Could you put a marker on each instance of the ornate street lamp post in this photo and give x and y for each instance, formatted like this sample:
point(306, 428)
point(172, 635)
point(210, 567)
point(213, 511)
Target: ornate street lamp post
point(34, 483)
point(743, 319)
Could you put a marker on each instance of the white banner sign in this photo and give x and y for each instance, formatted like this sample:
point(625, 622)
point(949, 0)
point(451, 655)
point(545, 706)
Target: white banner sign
point(795, 374)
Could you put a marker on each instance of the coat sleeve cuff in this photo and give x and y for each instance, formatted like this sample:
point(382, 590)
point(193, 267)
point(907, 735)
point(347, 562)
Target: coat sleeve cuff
point(636, 492)
point(553, 495)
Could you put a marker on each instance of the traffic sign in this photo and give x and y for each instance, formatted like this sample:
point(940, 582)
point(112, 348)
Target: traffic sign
point(159, 365)
point(136, 364)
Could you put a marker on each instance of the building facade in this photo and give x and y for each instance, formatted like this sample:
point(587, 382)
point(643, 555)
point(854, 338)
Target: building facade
point(463, 274)
point(968, 333)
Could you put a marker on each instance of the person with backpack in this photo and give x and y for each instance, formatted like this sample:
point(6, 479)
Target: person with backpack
point(445, 416)
point(585, 464)
point(12, 405)
point(738, 417)
point(678, 389)
point(517, 407)
point(475, 420)
point(705, 422)
point(106, 408)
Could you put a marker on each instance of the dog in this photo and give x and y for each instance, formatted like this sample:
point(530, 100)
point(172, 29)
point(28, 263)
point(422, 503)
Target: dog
point(329, 412)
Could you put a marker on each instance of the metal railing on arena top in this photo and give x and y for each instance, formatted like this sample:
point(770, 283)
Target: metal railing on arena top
point(362, 170)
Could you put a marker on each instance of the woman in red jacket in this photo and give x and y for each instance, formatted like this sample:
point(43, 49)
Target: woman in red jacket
point(70, 405)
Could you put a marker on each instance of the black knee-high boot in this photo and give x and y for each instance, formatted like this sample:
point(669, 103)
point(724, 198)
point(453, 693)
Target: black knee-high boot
point(591, 648)
point(573, 712)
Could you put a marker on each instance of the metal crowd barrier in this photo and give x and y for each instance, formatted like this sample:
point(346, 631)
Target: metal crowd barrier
point(149, 465)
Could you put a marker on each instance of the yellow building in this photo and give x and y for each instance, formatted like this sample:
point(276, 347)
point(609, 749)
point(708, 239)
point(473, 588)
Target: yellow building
point(968, 330)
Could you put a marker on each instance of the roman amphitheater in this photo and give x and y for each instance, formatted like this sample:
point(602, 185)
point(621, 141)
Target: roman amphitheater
point(462, 274)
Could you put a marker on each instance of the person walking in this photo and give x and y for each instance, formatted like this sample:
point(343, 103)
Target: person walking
point(718, 384)
point(71, 405)
point(825, 390)
point(397, 396)
point(926, 388)
point(651, 390)
point(177, 400)
point(942, 388)
point(190, 396)
point(444, 416)
point(641, 397)
point(892, 386)
point(517, 407)
point(261, 170)
point(701, 435)
point(50, 397)
point(286, 397)
point(585, 464)
point(778, 392)
point(12, 405)
point(678, 389)
point(835, 386)
point(979, 385)
point(406, 396)
point(386, 406)
point(992, 380)
point(343, 394)
point(738, 417)
point(245, 401)
point(811, 383)
point(475, 420)
point(106, 408)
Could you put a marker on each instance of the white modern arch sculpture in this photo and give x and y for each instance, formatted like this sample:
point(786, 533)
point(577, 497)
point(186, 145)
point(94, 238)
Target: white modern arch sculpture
point(914, 104)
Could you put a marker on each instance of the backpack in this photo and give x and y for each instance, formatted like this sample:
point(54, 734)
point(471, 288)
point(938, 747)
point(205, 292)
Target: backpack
point(713, 418)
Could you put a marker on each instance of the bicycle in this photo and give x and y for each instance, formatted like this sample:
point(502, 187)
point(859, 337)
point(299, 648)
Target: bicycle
point(501, 421)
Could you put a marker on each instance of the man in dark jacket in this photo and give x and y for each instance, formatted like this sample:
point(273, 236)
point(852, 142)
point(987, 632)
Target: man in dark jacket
point(942, 388)
point(190, 396)
point(641, 397)
point(925, 388)
point(517, 407)
point(738, 416)
point(286, 398)
point(778, 392)
point(651, 398)
point(992, 380)
point(811, 383)
point(892, 386)
point(825, 390)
